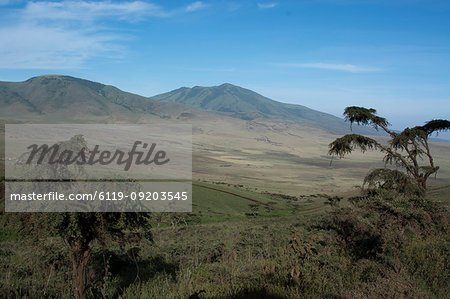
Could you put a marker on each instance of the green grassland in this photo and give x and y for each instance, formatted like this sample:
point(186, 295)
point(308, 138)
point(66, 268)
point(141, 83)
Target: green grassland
point(224, 247)
point(214, 203)
point(226, 220)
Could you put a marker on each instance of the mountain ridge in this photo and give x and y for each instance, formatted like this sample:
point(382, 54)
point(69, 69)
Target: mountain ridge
point(59, 98)
point(239, 102)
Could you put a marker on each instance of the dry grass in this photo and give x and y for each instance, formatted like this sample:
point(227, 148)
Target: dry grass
point(283, 158)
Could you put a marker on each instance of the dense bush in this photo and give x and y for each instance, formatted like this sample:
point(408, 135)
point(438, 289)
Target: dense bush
point(383, 245)
point(377, 246)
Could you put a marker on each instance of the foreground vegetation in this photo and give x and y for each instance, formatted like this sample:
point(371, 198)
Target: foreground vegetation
point(383, 245)
point(238, 243)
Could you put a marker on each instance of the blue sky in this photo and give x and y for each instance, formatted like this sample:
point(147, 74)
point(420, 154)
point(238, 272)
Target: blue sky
point(325, 54)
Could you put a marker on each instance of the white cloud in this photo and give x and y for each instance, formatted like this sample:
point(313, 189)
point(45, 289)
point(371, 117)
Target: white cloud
point(9, 2)
point(334, 66)
point(82, 10)
point(31, 47)
point(267, 5)
point(67, 34)
point(197, 5)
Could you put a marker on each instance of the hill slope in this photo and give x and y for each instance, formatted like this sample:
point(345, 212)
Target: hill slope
point(64, 98)
point(245, 104)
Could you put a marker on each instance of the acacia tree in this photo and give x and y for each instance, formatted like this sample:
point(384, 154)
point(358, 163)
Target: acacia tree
point(80, 230)
point(408, 150)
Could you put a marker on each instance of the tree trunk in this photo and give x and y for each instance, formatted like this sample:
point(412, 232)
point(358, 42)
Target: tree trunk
point(79, 256)
point(422, 182)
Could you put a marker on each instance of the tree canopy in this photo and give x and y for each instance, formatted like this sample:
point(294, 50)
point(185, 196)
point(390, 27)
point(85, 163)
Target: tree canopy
point(408, 150)
point(80, 230)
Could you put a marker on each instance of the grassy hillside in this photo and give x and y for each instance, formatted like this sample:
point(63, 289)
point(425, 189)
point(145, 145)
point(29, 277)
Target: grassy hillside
point(227, 249)
point(243, 103)
point(224, 202)
point(54, 99)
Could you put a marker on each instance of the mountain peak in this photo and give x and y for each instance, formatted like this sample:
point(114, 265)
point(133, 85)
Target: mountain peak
point(61, 82)
point(53, 77)
point(228, 85)
point(221, 86)
point(49, 78)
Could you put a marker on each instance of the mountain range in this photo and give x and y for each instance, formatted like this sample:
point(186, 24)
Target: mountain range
point(53, 98)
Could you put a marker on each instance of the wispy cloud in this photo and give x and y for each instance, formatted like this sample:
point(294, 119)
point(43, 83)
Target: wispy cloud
point(197, 5)
point(67, 34)
point(31, 47)
point(9, 2)
point(333, 66)
point(267, 5)
point(82, 10)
